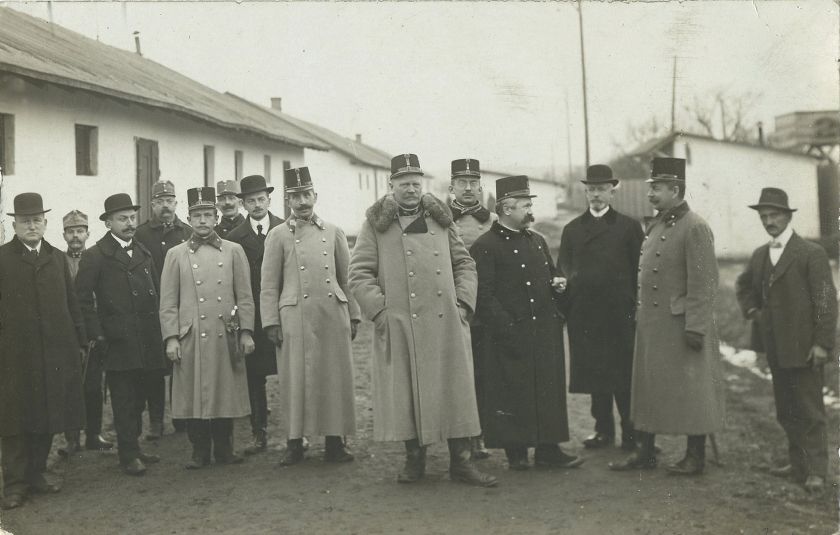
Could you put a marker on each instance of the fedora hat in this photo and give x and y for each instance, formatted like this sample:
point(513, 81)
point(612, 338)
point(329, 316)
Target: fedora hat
point(773, 198)
point(667, 170)
point(253, 184)
point(28, 204)
point(599, 174)
point(117, 202)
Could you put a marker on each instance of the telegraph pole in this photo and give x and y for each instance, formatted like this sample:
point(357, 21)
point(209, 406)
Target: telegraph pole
point(674, 97)
point(583, 72)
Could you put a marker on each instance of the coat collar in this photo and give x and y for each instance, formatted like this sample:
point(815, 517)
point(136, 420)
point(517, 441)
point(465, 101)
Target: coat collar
point(479, 212)
point(384, 212)
point(212, 240)
point(273, 221)
point(791, 252)
point(109, 247)
point(44, 255)
point(293, 222)
point(156, 223)
point(668, 217)
point(594, 228)
point(505, 232)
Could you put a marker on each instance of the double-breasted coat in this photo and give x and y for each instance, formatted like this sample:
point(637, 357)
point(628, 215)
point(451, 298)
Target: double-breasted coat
point(471, 225)
point(41, 331)
point(159, 239)
point(410, 280)
point(522, 362)
point(600, 259)
point(263, 361)
point(305, 293)
point(200, 286)
point(118, 296)
point(227, 224)
point(676, 389)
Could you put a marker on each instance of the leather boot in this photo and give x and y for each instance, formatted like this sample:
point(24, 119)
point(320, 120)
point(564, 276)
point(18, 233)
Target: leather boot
point(293, 453)
point(479, 452)
point(461, 467)
point(73, 446)
point(415, 462)
point(643, 459)
point(221, 429)
point(260, 443)
point(695, 458)
point(336, 451)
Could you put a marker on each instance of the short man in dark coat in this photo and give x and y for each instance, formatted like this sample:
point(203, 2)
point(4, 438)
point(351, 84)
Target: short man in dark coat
point(599, 257)
point(788, 292)
point(228, 204)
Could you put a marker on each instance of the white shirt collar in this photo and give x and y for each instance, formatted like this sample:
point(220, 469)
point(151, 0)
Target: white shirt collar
point(599, 213)
point(784, 237)
point(122, 242)
point(509, 228)
point(265, 222)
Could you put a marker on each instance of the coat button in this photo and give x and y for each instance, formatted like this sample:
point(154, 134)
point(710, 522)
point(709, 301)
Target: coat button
point(219, 299)
point(655, 287)
point(639, 270)
point(638, 286)
point(410, 273)
point(327, 280)
point(440, 292)
point(218, 282)
point(203, 316)
point(655, 304)
point(638, 303)
point(326, 266)
point(515, 251)
point(303, 268)
point(534, 318)
point(151, 292)
point(323, 240)
point(198, 283)
point(306, 296)
point(527, 283)
point(195, 266)
point(437, 271)
point(220, 264)
point(408, 253)
point(523, 265)
point(662, 238)
point(404, 234)
point(437, 253)
point(297, 241)
point(481, 227)
point(204, 335)
point(329, 294)
point(658, 253)
point(221, 334)
point(412, 294)
point(325, 253)
point(414, 316)
point(192, 251)
point(656, 270)
point(134, 292)
point(221, 316)
point(532, 299)
point(432, 232)
point(163, 243)
point(200, 299)
point(440, 314)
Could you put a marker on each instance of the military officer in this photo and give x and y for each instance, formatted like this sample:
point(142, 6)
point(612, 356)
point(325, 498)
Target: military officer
point(228, 204)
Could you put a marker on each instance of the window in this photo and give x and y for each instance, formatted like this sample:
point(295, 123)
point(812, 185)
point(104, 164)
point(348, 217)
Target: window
point(87, 147)
point(267, 168)
point(7, 144)
point(237, 164)
point(360, 181)
point(287, 164)
point(209, 165)
point(367, 182)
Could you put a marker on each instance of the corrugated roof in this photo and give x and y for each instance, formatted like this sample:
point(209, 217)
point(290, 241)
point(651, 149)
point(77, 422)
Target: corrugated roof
point(37, 49)
point(653, 146)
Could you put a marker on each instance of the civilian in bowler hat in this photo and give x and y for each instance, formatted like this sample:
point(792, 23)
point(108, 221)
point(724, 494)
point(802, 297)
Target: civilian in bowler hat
point(251, 234)
point(228, 204)
point(523, 361)
point(599, 258)
point(42, 344)
point(118, 288)
point(788, 292)
point(307, 311)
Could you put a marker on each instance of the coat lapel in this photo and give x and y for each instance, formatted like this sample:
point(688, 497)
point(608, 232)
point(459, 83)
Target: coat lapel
point(788, 256)
point(593, 227)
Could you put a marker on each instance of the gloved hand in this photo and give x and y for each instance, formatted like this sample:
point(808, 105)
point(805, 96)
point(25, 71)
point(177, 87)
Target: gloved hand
point(694, 340)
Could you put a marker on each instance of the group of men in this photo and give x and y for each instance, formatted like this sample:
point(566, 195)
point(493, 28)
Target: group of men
point(468, 309)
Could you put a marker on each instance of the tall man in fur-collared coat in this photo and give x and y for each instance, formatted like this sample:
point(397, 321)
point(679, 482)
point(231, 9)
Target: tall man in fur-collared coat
point(412, 276)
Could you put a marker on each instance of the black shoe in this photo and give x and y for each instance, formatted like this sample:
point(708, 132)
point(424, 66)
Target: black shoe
point(414, 468)
point(520, 464)
point(72, 447)
point(13, 500)
point(688, 466)
point(556, 459)
point(598, 441)
point(259, 445)
point(134, 467)
point(292, 455)
point(197, 462)
point(339, 454)
point(466, 472)
point(634, 462)
point(477, 450)
point(230, 458)
point(98, 443)
point(40, 485)
point(148, 458)
point(155, 431)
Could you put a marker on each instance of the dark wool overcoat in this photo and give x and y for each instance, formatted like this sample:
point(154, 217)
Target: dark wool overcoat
point(159, 239)
point(523, 362)
point(41, 331)
point(226, 225)
point(600, 259)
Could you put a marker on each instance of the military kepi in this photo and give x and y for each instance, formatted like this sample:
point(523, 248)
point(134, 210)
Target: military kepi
point(253, 184)
point(28, 204)
point(297, 179)
point(773, 198)
point(512, 187)
point(405, 164)
point(163, 188)
point(76, 218)
point(467, 167)
point(203, 197)
point(117, 202)
point(227, 187)
point(599, 174)
point(667, 170)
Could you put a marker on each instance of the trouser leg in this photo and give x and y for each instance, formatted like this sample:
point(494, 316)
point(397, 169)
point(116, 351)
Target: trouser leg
point(198, 431)
point(14, 461)
point(602, 411)
point(221, 430)
point(259, 403)
point(127, 402)
point(38, 446)
point(622, 402)
point(94, 399)
point(801, 412)
point(154, 390)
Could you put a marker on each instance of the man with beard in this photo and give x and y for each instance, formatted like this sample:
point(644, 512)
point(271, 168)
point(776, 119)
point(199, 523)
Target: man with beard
point(413, 277)
point(207, 317)
point(599, 255)
point(75, 235)
point(118, 287)
point(307, 313)
point(251, 234)
point(228, 204)
point(523, 364)
point(41, 345)
point(160, 234)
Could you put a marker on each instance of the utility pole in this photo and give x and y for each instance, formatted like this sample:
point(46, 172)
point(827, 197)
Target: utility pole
point(674, 97)
point(568, 140)
point(583, 73)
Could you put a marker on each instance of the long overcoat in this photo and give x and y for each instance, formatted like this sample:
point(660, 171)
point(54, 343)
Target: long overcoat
point(522, 362)
point(118, 296)
point(676, 389)
point(410, 281)
point(600, 259)
point(41, 331)
point(263, 361)
point(305, 292)
point(227, 224)
point(200, 286)
point(159, 239)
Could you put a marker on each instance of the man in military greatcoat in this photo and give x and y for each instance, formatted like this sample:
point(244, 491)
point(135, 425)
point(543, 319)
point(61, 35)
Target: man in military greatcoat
point(42, 342)
point(307, 311)
point(788, 292)
point(413, 277)
point(117, 286)
point(228, 204)
point(251, 234)
point(207, 320)
point(523, 363)
point(160, 234)
point(677, 382)
point(599, 260)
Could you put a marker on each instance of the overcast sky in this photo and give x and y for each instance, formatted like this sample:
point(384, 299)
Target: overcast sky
point(484, 80)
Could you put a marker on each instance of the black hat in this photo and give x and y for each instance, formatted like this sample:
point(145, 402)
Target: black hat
point(297, 179)
point(405, 164)
point(29, 204)
point(466, 167)
point(203, 197)
point(117, 202)
point(226, 187)
point(773, 198)
point(511, 187)
point(253, 184)
point(599, 174)
point(667, 170)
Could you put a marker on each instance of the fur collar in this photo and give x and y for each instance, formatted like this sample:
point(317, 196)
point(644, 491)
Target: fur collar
point(384, 211)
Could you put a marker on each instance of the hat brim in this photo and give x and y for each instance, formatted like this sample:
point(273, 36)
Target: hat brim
point(203, 204)
point(653, 179)
point(29, 213)
point(613, 181)
point(772, 205)
point(296, 189)
point(267, 189)
point(474, 174)
point(403, 173)
point(105, 215)
point(516, 196)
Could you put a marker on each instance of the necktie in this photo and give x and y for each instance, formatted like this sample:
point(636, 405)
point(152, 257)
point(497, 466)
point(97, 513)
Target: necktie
point(34, 253)
point(775, 244)
point(259, 230)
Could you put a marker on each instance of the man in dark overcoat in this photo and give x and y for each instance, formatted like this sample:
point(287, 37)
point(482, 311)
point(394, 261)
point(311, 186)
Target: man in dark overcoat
point(228, 204)
point(118, 288)
point(523, 362)
point(599, 258)
point(256, 198)
point(160, 234)
point(42, 341)
point(788, 292)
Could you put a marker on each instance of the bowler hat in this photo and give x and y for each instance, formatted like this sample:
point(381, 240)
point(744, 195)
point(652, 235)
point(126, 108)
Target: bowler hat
point(511, 187)
point(253, 184)
point(599, 174)
point(405, 164)
point(163, 188)
point(227, 187)
point(466, 167)
point(75, 218)
point(117, 202)
point(297, 179)
point(773, 198)
point(203, 197)
point(28, 204)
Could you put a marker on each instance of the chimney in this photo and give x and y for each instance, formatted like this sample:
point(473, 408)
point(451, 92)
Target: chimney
point(760, 133)
point(276, 103)
point(137, 42)
point(358, 138)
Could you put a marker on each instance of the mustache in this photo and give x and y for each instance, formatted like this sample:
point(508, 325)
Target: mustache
point(530, 218)
point(305, 207)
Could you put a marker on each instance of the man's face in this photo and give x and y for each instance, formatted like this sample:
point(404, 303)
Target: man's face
point(466, 190)
point(203, 220)
point(518, 214)
point(164, 208)
point(76, 238)
point(228, 204)
point(302, 203)
point(775, 221)
point(407, 189)
point(599, 196)
point(256, 204)
point(122, 224)
point(663, 195)
point(30, 228)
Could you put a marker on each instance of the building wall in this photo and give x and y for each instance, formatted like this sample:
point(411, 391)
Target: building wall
point(45, 150)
